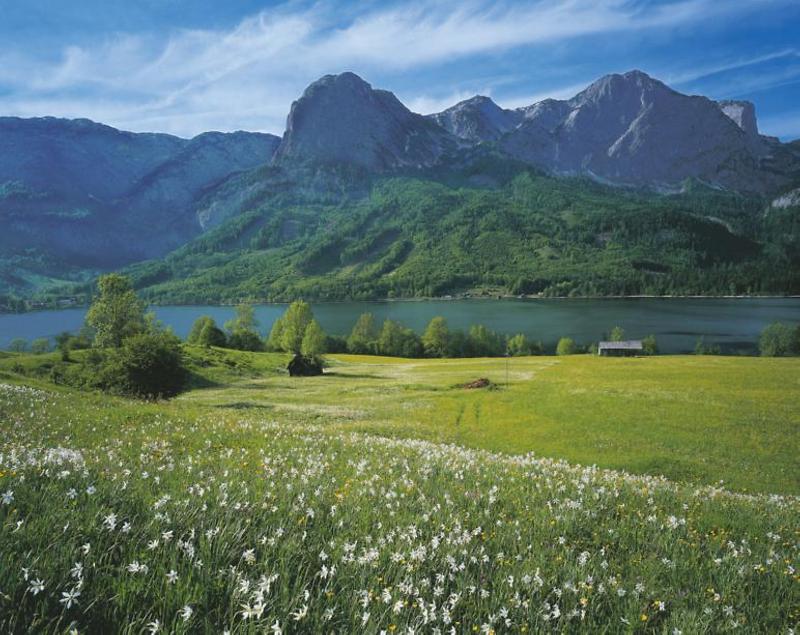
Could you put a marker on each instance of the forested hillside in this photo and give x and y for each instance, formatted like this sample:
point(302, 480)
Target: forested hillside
point(529, 234)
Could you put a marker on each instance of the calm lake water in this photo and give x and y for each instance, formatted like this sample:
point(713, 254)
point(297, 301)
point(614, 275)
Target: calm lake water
point(734, 324)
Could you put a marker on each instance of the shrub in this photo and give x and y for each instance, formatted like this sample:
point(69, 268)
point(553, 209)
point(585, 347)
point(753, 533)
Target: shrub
point(650, 345)
point(566, 346)
point(146, 365)
point(18, 345)
point(779, 340)
point(40, 345)
point(243, 334)
point(197, 328)
point(521, 345)
point(701, 348)
point(212, 335)
point(245, 341)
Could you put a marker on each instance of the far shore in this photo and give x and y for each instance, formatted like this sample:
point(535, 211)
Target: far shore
point(444, 298)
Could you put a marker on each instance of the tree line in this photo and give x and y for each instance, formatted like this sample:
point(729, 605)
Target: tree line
point(299, 333)
point(131, 353)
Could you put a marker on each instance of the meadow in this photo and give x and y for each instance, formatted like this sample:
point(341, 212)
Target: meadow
point(573, 494)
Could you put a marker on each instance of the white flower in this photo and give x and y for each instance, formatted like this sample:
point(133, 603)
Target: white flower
point(7, 497)
point(276, 628)
point(110, 521)
point(172, 576)
point(153, 627)
point(68, 598)
point(85, 548)
point(36, 587)
point(300, 613)
point(186, 613)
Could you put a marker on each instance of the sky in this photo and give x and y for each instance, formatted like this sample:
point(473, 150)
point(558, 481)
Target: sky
point(189, 66)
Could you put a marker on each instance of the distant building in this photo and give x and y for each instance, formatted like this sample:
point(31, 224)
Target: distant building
point(629, 348)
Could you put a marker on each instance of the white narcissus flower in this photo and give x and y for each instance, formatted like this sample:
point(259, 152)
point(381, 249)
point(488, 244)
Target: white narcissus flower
point(36, 586)
point(186, 613)
point(70, 597)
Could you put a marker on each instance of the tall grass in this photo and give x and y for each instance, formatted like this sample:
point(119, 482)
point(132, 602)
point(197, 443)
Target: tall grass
point(120, 517)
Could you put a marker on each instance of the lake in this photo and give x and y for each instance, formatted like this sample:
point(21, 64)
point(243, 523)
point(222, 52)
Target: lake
point(732, 323)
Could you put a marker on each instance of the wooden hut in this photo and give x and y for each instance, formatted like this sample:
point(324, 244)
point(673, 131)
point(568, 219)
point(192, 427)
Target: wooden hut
point(629, 348)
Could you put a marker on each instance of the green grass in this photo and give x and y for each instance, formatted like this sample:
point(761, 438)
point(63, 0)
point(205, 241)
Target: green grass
point(701, 419)
point(327, 505)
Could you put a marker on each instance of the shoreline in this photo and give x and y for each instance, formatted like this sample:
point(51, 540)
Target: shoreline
point(446, 298)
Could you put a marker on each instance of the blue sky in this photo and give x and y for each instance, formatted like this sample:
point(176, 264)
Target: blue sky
point(186, 66)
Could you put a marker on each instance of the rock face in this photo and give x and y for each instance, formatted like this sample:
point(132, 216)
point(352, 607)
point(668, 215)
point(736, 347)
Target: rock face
point(742, 113)
point(477, 119)
point(342, 119)
point(632, 129)
point(203, 163)
point(102, 197)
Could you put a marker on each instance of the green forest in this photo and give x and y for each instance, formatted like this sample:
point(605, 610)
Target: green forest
point(526, 234)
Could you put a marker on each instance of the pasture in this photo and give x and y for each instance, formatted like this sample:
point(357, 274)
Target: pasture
point(385, 497)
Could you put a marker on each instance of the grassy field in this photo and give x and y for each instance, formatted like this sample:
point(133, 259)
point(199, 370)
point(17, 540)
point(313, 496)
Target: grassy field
point(384, 496)
point(696, 418)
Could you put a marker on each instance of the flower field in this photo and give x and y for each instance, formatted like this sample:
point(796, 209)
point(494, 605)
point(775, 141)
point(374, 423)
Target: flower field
point(147, 518)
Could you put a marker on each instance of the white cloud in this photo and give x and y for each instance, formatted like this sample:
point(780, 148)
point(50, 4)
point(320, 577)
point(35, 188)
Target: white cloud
point(247, 76)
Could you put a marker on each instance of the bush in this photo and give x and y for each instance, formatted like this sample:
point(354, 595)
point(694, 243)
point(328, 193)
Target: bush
point(701, 348)
point(146, 365)
point(245, 341)
point(779, 340)
point(521, 345)
point(566, 346)
point(18, 345)
point(212, 335)
point(650, 345)
point(40, 345)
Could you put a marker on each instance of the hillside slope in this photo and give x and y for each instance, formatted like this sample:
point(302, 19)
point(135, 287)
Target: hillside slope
point(527, 234)
point(77, 195)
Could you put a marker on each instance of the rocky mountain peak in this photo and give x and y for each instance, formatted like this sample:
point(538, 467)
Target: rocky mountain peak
point(477, 119)
point(342, 119)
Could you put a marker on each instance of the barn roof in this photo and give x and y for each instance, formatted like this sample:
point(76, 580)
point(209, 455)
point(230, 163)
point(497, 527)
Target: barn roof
point(627, 345)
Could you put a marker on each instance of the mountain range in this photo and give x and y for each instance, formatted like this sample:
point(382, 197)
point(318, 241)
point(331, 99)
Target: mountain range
point(78, 197)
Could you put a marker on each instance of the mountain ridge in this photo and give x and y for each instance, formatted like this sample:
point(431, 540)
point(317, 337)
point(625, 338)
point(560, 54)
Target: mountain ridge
point(77, 197)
